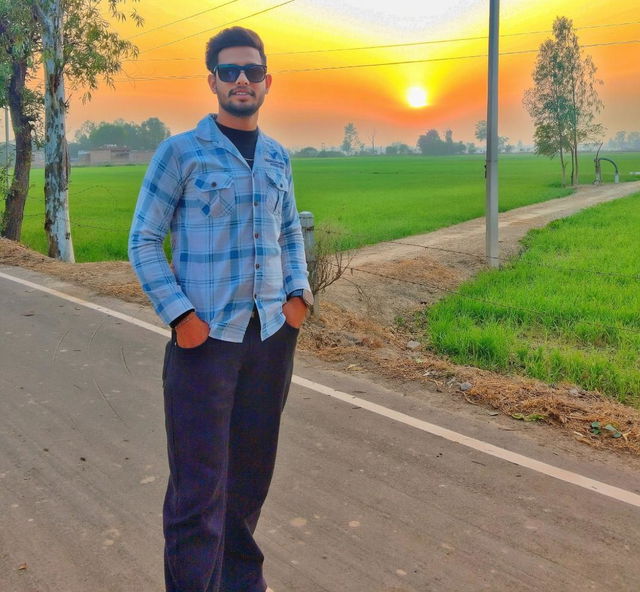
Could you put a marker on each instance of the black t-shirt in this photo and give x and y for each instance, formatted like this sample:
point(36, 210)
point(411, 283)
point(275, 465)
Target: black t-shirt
point(244, 141)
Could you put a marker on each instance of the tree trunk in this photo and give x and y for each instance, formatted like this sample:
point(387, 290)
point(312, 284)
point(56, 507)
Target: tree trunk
point(56, 173)
point(574, 134)
point(563, 164)
point(22, 130)
point(575, 179)
point(573, 164)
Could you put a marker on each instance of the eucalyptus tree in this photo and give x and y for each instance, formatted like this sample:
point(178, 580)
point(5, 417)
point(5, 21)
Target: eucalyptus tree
point(564, 101)
point(75, 43)
point(19, 40)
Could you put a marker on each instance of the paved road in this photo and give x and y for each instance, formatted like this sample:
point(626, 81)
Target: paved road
point(360, 502)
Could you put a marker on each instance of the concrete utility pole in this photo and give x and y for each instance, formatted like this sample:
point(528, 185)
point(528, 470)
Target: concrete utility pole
point(6, 142)
point(307, 221)
point(491, 209)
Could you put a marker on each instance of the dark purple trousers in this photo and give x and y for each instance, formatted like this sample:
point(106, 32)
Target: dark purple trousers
point(223, 403)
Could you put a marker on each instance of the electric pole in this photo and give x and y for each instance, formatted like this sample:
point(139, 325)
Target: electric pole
point(6, 143)
point(491, 208)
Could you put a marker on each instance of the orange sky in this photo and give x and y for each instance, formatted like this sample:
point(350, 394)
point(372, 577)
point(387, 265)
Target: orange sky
point(312, 108)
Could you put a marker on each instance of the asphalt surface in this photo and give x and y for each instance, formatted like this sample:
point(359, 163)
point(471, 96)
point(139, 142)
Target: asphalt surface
point(360, 502)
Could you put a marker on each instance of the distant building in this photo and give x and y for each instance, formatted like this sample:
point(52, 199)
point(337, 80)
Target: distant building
point(112, 155)
point(103, 156)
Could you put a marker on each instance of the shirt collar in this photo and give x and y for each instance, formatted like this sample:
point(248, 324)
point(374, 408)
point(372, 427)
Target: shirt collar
point(208, 130)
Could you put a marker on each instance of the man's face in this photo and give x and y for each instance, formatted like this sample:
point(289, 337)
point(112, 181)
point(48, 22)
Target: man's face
point(241, 98)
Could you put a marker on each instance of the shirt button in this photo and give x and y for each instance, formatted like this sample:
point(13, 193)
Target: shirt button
point(257, 266)
point(255, 203)
point(256, 235)
point(213, 184)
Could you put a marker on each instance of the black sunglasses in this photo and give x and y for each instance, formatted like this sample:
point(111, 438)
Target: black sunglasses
point(231, 72)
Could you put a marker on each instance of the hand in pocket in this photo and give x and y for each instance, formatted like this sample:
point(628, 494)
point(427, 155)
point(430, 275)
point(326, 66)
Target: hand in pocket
point(191, 332)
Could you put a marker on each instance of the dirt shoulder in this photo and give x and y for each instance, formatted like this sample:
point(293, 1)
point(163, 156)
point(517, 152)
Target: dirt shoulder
point(357, 329)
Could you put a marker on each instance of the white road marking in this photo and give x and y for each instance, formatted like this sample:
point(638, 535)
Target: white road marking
point(91, 305)
point(524, 461)
point(502, 453)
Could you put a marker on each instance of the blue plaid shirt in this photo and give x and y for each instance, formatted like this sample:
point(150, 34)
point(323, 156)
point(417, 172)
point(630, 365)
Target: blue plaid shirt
point(236, 240)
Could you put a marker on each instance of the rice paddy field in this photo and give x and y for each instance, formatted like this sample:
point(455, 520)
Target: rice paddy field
point(567, 310)
point(369, 199)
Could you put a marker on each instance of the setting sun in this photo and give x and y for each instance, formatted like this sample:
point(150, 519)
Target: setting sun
point(417, 97)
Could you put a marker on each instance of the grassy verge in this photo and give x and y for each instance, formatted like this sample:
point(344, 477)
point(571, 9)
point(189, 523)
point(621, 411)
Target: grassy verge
point(549, 317)
point(370, 199)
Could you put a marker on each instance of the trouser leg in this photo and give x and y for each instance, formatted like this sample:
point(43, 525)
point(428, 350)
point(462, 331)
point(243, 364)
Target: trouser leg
point(199, 387)
point(262, 390)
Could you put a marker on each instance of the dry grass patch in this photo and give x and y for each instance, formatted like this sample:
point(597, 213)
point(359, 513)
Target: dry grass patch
point(109, 278)
point(362, 345)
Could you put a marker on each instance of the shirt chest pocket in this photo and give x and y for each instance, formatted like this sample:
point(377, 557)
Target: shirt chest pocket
point(214, 194)
point(276, 187)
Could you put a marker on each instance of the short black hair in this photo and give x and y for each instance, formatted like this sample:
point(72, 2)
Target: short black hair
point(232, 37)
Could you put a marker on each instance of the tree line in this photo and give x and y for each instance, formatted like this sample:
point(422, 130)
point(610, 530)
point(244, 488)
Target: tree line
point(625, 141)
point(144, 136)
point(430, 144)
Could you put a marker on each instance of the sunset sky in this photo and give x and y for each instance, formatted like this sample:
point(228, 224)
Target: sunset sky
point(314, 94)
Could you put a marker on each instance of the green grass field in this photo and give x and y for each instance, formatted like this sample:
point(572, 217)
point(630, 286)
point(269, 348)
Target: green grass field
point(548, 315)
point(369, 199)
point(558, 325)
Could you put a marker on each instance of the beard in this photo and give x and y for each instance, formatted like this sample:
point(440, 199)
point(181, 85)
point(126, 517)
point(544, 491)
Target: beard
point(242, 109)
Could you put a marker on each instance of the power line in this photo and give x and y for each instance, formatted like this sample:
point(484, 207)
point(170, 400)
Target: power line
point(482, 55)
point(180, 20)
point(406, 244)
point(432, 287)
point(380, 64)
point(482, 258)
point(489, 302)
point(218, 27)
point(396, 45)
point(102, 228)
point(437, 41)
point(631, 276)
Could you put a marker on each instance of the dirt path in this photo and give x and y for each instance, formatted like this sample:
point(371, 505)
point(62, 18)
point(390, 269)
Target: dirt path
point(418, 259)
point(357, 329)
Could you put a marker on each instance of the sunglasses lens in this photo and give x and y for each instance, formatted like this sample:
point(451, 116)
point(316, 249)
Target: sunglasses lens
point(231, 73)
point(228, 73)
point(255, 73)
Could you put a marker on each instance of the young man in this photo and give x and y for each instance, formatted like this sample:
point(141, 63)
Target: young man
point(235, 298)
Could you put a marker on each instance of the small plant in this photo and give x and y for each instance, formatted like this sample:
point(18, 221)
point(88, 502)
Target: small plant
point(596, 429)
point(328, 262)
point(400, 322)
point(530, 417)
